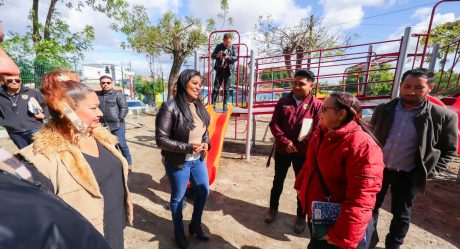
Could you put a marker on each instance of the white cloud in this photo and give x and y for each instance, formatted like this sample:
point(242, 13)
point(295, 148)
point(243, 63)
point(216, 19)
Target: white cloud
point(420, 28)
point(347, 14)
point(422, 13)
point(14, 16)
point(160, 6)
point(245, 13)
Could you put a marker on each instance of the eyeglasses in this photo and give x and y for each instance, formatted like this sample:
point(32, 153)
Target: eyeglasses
point(325, 108)
point(106, 82)
point(13, 80)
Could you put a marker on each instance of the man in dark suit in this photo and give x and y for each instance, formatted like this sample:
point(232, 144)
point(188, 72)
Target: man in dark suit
point(225, 56)
point(418, 138)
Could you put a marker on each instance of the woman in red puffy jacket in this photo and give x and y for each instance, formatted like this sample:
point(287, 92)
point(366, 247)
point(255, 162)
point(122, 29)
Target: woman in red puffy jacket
point(345, 153)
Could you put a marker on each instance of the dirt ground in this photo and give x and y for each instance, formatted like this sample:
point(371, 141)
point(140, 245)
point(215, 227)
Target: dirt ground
point(239, 198)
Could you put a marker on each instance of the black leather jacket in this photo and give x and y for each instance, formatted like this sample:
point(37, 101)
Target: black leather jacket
point(114, 107)
point(172, 136)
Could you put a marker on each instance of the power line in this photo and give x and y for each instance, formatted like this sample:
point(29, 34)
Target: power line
point(383, 14)
point(110, 51)
point(381, 24)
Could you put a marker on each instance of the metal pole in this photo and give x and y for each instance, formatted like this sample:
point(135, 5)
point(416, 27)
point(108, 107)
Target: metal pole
point(433, 57)
point(250, 103)
point(196, 60)
point(122, 80)
point(367, 68)
point(428, 34)
point(401, 62)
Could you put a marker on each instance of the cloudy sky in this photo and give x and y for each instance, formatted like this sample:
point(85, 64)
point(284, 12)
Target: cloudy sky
point(371, 20)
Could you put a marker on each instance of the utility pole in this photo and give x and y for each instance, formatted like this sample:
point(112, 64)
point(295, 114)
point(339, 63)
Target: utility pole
point(310, 39)
point(122, 80)
point(131, 80)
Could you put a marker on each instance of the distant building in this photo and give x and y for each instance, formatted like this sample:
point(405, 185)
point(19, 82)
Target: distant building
point(90, 74)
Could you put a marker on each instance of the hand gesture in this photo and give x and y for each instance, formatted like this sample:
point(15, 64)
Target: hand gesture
point(197, 148)
point(40, 115)
point(291, 148)
point(205, 150)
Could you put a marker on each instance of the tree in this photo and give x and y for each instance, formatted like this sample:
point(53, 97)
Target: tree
point(381, 74)
point(172, 35)
point(51, 41)
point(441, 84)
point(444, 35)
point(223, 15)
point(149, 89)
point(305, 36)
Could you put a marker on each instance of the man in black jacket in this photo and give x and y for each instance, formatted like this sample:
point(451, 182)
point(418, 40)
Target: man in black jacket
point(225, 56)
point(115, 108)
point(22, 109)
point(418, 138)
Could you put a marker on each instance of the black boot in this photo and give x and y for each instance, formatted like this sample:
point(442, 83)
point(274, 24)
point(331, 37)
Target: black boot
point(196, 229)
point(181, 241)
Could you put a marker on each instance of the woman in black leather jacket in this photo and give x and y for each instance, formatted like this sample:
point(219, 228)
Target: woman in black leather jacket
point(182, 134)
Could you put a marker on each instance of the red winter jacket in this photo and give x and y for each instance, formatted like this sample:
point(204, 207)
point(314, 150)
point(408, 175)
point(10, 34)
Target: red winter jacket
point(351, 164)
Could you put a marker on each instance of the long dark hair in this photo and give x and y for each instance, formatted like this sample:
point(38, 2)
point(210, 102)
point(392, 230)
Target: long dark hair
point(352, 106)
point(182, 100)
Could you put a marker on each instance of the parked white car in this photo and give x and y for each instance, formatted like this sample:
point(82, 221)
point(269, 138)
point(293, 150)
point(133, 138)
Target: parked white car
point(366, 114)
point(136, 106)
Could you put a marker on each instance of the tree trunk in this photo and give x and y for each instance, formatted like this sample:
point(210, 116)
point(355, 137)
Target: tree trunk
point(299, 57)
point(175, 70)
point(35, 24)
point(151, 60)
point(49, 16)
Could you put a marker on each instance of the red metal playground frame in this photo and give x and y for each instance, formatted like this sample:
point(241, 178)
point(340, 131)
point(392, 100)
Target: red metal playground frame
point(355, 69)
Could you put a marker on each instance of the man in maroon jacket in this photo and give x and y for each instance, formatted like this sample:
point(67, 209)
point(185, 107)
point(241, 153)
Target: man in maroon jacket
point(286, 124)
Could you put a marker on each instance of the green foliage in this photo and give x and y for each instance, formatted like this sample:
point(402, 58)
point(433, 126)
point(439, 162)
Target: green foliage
point(444, 35)
point(51, 44)
point(442, 82)
point(381, 74)
point(278, 75)
point(149, 89)
point(171, 35)
point(223, 15)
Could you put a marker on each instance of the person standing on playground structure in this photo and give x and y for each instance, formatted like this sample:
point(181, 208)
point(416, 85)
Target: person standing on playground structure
point(418, 138)
point(225, 55)
point(182, 134)
point(292, 114)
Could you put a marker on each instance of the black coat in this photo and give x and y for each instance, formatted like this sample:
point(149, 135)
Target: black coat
point(20, 119)
point(32, 217)
point(172, 135)
point(232, 56)
point(114, 107)
point(437, 133)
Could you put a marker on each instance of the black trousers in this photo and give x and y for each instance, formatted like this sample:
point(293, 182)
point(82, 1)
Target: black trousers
point(225, 78)
point(282, 164)
point(403, 194)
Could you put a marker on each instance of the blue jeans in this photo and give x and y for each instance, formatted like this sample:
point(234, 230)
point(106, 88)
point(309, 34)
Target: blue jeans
point(22, 139)
point(197, 173)
point(120, 133)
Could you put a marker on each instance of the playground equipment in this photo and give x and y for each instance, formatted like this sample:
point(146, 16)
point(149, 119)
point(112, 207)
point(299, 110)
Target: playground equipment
point(357, 69)
point(216, 130)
